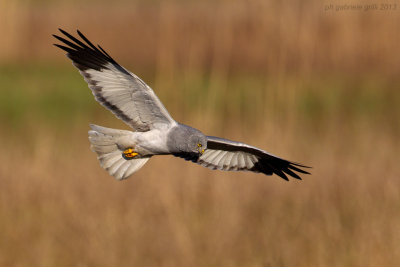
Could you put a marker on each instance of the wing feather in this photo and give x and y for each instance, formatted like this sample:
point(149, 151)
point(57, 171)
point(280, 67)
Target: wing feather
point(114, 87)
point(229, 155)
point(227, 161)
point(218, 158)
point(221, 160)
point(241, 161)
point(213, 155)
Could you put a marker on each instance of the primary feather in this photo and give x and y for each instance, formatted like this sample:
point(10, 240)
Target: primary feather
point(227, 155)
point(156, 132)
point(117, 89)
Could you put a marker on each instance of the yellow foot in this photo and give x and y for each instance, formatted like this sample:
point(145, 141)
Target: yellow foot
point(129, 153)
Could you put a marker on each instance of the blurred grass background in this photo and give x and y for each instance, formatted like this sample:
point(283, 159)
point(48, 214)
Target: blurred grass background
point(314, 86)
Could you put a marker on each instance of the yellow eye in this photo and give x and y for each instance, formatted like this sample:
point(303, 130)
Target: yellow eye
point(199, 145)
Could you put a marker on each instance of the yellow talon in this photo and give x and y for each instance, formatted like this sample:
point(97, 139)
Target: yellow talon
point(129, 153)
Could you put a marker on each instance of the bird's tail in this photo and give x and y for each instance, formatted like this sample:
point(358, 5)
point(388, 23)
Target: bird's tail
point(104, 142)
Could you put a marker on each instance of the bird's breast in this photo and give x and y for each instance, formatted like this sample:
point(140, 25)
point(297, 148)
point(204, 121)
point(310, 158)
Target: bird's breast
point(153, 142)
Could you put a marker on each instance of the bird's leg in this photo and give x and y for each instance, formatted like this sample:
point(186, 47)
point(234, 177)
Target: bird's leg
point(129, 153)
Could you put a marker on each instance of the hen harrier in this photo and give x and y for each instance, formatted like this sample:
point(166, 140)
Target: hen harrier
point(123, 152)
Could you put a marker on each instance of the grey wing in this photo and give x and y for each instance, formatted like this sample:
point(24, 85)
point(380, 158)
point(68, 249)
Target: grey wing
point(114, 87)
point(227, 155)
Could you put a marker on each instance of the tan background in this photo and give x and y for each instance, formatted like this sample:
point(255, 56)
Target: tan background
point(312, 85)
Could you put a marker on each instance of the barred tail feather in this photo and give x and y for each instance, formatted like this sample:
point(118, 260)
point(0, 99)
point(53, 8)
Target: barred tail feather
point(103, 142)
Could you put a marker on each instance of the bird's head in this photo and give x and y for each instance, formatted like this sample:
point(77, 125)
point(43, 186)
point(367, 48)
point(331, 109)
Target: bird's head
point(197, 143)
point(185, 139)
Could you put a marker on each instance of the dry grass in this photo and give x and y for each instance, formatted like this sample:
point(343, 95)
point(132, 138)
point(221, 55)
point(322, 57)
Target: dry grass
point(59, 208)
point(312, 86)
point(244, 36)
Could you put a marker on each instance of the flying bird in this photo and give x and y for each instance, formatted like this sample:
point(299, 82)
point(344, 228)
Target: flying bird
point(123, 152)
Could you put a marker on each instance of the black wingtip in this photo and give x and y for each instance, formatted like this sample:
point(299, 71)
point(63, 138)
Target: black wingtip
point(62, 31)
point(300, 165)
point(87, 41)
point(82, 52)
point(291, 173)
point(291, 166)
point(279, 172)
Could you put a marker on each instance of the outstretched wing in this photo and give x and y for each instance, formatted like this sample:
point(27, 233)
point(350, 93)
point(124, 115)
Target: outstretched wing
point(114, 87)
point(227, 155)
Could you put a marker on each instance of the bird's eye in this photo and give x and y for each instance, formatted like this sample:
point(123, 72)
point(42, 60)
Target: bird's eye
point(199, 145)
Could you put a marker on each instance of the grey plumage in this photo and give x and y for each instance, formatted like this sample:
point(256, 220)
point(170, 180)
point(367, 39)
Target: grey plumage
point(184, 139)
point(122, 152)
point(104, 142)
point(114, 87)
